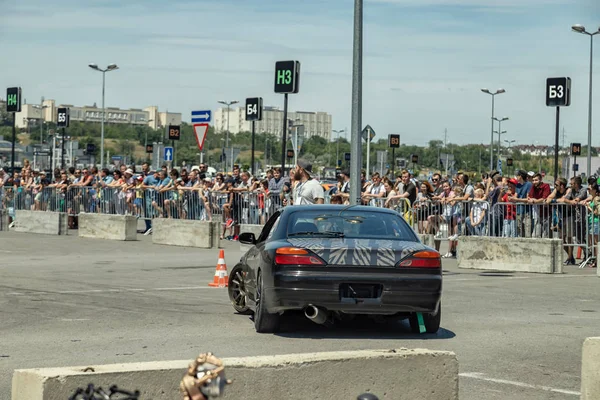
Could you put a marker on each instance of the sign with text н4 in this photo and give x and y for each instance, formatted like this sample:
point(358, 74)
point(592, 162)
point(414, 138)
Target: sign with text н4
point(200, 131)
point(287, 76)
point(13, 99)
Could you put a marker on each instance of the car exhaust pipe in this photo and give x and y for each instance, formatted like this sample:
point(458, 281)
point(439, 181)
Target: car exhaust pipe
point(315, 314)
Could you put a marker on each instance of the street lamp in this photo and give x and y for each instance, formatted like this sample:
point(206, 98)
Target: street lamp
point(510, 142)
point(337, 139)
point(581, 29)
point(499, 91)
point(499, 131)
point(228, 104)
point(110, 67)
point(41, 107)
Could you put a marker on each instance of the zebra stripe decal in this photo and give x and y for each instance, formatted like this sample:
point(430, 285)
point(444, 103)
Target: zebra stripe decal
point(367, 252)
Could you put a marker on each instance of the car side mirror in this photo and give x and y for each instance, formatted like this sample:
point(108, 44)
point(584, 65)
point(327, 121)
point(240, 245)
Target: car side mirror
point(247, 238)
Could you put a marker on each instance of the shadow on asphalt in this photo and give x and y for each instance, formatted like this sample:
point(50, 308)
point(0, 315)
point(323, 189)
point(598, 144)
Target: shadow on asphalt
point(299, 327)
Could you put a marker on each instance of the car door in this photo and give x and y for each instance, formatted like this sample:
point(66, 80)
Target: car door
point(254, 256)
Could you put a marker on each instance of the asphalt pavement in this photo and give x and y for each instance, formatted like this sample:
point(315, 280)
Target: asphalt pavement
point(66, 301)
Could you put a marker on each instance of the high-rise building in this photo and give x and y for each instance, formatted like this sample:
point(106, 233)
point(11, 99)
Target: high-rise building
point(315, 123)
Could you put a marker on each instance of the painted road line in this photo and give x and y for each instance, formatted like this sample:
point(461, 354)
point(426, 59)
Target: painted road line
point(121, 290)
point(482, 277)
point(482, 377)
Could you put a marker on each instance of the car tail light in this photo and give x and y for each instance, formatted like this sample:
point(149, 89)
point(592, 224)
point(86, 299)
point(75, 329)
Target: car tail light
point(296, 256)
point(422, 259)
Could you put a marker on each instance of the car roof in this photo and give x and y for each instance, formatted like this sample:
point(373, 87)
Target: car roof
point(336, 208)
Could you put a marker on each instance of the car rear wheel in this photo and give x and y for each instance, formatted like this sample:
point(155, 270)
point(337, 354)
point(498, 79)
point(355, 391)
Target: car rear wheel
point(237, 291)
point(431, 322)
point(263, 321)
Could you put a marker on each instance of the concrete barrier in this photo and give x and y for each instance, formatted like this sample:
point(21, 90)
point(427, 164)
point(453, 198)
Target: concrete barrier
point(104, 226)
point(181, 232)
point(256, 229)
point(590, 369)
point(3, 220)
point(427, 239)
point(390, 374)
point(43, 222)
point(542, 256)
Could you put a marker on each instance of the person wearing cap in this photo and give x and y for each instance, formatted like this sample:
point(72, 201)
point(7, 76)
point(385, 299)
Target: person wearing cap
point(308, 190)
point(523, 187)
point(566, 226)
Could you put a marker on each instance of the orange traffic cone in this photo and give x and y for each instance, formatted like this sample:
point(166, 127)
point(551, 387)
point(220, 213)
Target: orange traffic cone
point(579, 253)
point(221, 278)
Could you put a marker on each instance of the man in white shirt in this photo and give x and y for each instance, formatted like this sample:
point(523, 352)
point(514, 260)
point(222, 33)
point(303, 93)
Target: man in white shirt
point(307, 190)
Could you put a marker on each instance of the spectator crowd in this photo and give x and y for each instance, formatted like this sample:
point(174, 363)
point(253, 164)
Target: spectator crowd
point(446, 207)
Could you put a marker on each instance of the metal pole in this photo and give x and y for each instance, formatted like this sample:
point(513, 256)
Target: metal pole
point(556, 144)
point(337, 154)
point(252, 169)
point(499, 133)
point(446, 149)
point(393, 160)
point(492, 138)
point(266, 141)
point(369, 153)
point(589, 154)
point(42, 123)
point(296, 145)
point(356, 145)
point(284, 137)
point(12, 150)
point(102, 124)
point(227, 144)
point(62, 150)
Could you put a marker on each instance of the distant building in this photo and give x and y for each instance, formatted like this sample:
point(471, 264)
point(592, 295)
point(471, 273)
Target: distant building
point(31, 114)
point(315, 123)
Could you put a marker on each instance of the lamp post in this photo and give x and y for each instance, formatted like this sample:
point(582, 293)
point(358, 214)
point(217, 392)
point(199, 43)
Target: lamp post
point(110, 67)
point(581, 29)
point(499, 131)
point(510, 142)
point(228, 104)
point(337, 139)
point(499, 91)
point(356, 119)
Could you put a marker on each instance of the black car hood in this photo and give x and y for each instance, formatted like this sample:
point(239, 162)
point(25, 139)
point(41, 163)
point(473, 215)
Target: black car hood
point(342, 251)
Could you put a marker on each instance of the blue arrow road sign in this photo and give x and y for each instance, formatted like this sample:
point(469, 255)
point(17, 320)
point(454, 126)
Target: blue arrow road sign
point(168, 154)
point(201, 116)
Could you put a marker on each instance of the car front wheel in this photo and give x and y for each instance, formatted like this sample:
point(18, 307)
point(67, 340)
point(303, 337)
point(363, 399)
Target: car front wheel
point(237, 291)
point(263, 321)
point(431, 322)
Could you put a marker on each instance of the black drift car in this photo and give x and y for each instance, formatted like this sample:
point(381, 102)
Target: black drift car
point(334, 261)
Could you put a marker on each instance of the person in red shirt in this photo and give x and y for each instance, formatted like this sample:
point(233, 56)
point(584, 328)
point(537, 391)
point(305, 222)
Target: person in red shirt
point(541, 212)
point(510, 213)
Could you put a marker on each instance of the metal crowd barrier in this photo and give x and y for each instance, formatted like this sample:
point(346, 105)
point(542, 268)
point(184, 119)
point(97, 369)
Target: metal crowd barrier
point(574, 224)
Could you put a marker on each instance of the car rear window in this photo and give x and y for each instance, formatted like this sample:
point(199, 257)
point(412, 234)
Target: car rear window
point(349, 224)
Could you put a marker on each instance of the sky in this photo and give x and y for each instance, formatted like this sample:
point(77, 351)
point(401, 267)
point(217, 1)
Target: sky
point(425, 61)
